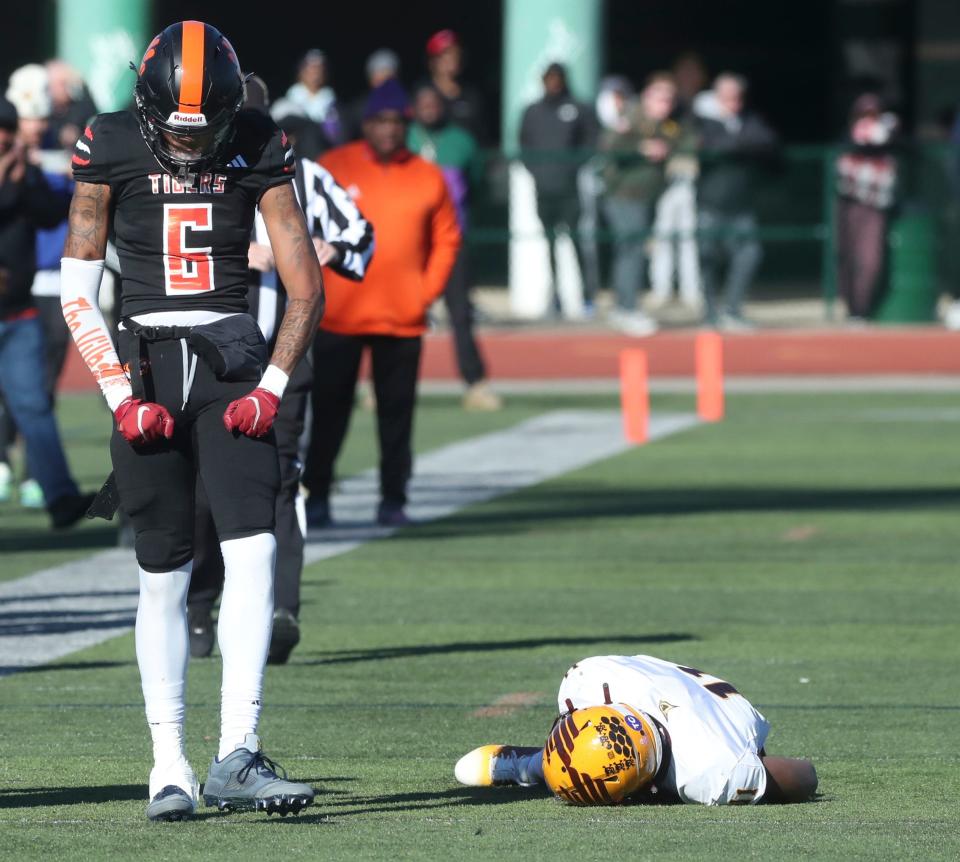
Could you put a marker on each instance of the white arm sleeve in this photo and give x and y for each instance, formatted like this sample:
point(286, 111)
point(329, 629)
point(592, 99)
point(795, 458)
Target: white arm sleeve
point(79, 292)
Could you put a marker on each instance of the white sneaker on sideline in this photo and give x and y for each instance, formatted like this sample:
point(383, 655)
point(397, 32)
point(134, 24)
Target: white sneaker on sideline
point(31, 494)
point(634, 323)
point(480, 398)
point(735, 323)
point(951, 319)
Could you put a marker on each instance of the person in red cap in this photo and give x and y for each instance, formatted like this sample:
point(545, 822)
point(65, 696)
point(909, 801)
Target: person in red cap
point(463, 104)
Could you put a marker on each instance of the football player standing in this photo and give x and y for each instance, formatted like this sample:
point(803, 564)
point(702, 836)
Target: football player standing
point(643, 729)
point(193, 390)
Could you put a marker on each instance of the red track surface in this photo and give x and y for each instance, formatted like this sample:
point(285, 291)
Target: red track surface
point(593, 354)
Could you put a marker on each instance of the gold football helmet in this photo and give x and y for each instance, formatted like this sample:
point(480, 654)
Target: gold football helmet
point(601, 754)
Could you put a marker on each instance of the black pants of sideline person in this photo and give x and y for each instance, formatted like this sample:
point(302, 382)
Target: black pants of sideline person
point(460, 311)
point(396, 365)
point(206, 582)
point(560, 213)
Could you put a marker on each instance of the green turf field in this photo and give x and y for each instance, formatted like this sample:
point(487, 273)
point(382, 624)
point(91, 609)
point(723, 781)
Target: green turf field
point(805, 549)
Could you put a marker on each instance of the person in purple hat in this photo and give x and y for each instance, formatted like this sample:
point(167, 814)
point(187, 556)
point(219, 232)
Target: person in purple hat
point(406, 199)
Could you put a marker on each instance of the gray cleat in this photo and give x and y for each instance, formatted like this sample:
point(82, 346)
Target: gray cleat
point(173, 791)
point(247, 780)
point(171, 803)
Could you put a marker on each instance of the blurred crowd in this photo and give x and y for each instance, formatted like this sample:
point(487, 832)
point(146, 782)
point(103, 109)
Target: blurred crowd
point(672, 180)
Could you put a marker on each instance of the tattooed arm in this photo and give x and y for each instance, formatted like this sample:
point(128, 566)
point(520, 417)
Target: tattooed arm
point(299, 270)
point(89, 222)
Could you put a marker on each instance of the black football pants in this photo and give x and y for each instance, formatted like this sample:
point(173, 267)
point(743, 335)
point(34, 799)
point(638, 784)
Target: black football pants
point(206, 583)
point(157, 483)
point(336, 361)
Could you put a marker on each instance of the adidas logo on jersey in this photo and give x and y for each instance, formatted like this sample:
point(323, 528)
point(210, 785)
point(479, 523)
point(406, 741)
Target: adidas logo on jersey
point(237, 162)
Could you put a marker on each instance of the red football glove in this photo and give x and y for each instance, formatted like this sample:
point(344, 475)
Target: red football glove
point(253, 414)
point(143, 421)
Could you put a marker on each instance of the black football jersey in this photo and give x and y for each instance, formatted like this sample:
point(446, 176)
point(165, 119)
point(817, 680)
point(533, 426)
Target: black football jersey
point(183, 247)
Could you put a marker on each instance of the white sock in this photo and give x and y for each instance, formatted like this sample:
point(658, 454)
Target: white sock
point(243, 632)
point(530, 768)
point(163, 650)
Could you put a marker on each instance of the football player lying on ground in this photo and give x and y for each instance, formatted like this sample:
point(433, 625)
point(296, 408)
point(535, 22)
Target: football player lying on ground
point(642, 729)
point(193, 389)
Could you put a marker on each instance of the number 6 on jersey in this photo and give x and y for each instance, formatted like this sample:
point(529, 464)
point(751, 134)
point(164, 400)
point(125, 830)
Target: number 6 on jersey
point(186, 269)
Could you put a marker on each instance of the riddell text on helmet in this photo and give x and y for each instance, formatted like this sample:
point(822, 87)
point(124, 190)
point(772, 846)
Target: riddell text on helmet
point(179, 118)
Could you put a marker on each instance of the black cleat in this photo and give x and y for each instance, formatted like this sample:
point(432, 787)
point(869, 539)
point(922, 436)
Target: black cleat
point(318, 514)
point(201, 628)
point(393, 515)
point(285, 636)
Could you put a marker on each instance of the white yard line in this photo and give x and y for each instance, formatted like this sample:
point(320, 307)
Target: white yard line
point(767, 384)
point(50, 614)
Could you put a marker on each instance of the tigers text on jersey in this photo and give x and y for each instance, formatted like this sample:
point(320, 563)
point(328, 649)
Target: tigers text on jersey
point(715, 733)
point(183, 246)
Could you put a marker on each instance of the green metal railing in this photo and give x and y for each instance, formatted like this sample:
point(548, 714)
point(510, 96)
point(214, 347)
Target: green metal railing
point(795, 206)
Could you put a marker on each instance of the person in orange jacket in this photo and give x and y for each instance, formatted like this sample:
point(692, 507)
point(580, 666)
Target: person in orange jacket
point(417, 239)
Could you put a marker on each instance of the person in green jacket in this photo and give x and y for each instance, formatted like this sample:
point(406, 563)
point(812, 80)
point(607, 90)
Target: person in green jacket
point(454, 150)
point(635, 176)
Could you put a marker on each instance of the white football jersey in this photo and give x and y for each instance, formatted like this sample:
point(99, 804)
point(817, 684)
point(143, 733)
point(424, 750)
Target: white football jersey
point(715, 733)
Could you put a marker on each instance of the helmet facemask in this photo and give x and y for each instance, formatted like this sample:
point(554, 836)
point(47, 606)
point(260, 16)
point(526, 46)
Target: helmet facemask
point(208, 142)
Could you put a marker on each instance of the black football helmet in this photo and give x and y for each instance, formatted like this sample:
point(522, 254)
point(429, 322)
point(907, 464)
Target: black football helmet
point(188, 92)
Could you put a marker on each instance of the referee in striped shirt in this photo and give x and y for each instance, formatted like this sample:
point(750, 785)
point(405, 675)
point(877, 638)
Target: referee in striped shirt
point(344, 242)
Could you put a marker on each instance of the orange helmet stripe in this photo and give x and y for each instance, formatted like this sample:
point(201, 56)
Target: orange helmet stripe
point(191, 75)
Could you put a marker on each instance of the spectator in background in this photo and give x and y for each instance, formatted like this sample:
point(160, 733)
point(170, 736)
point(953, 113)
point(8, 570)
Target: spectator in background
point(675, 222)
point(556, 134)
point(382, 65)
point(612, 111)
point(690, 75)
point(406, 200)
point(72, 106)
point(950, 254)
point(29, 91)
point(314, 96)
point(463, 103)
point(737, 145)
point(308, 113)
point(26, 203)
point(866, 181)
point(454, 150)
point(636, 175)
point(29, 94)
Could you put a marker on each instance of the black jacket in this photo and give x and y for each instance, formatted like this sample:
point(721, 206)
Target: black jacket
point(24, 206)
point(567, 128)
point(731, 161)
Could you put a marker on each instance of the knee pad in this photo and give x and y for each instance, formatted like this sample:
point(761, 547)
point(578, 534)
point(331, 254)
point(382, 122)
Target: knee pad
point(162, 549)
